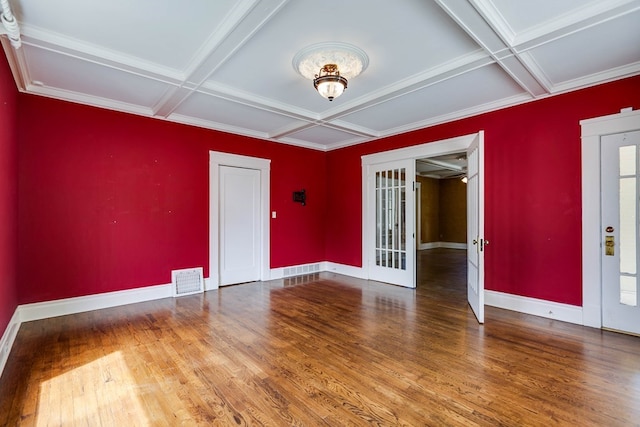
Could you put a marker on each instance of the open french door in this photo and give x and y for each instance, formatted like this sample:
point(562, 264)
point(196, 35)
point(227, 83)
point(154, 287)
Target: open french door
point(476, 242)
point(391, 197)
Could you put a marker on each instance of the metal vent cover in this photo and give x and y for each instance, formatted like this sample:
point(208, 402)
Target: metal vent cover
point(300, 270)
point(187, 281)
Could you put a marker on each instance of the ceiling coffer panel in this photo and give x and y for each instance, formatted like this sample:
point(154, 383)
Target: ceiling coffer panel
point(161, 32)
point(566, 59)
point(434, 100)
point(213, 109)
point(264, 64)
point(324, 136)
point(76, 77)
point(228, 65)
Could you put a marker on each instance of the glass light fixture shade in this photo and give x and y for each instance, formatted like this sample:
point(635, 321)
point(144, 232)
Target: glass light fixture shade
point(330, 86)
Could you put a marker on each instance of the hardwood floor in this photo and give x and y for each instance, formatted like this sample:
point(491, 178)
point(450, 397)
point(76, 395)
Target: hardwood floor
point(321, 350)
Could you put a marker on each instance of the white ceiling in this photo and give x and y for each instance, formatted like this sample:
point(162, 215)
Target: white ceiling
point(227, 64)
point(443, 167)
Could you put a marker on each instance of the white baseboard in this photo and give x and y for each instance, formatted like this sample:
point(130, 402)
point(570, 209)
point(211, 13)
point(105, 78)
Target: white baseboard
point(449, 245)
point(453, 245)
point(62, 307)
point(8, 337)
point(537, 307)
point(347, 270)
point(296, 270)
point(209, 285)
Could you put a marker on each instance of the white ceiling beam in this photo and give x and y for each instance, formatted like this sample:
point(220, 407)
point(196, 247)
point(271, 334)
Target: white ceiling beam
point(589, 15)
point(486, 25)
point(242, 23)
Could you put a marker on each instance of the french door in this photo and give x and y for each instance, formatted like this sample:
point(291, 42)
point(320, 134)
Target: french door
point(620, 164)
point(476, 242)
point(392, 204)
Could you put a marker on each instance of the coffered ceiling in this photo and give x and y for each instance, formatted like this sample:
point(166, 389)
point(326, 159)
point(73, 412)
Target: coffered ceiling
point(227, 64)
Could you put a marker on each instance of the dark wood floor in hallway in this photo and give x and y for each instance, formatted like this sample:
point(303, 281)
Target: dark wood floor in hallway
point(320, 350)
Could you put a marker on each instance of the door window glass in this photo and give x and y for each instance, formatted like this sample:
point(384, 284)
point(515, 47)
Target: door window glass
point(390, 218)
point(628, 225)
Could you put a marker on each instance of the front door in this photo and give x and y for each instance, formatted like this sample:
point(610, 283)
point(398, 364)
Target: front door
point(620, 155)
point(239, 225)
point(391, 197)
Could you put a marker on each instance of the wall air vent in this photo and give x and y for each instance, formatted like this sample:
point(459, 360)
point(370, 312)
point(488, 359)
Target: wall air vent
point(187, 281)
point(300, 270)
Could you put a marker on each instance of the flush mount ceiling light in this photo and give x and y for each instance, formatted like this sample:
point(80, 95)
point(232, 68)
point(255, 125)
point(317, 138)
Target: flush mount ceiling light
point(329, 65)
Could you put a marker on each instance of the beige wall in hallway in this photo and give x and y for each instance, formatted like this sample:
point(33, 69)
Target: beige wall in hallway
point(443, 204)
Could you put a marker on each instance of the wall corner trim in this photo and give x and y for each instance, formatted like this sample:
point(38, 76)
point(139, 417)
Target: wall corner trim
point(537, 307)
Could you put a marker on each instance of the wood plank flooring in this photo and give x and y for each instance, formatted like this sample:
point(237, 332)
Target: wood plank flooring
point(321, 350)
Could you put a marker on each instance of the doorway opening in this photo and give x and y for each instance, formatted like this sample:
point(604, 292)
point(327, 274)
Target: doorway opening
point(388, 223)
point(441, 224)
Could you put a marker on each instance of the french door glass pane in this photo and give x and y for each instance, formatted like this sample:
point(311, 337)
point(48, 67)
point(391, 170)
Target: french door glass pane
point(628, 290)
point(628, 235)
point(628, 225)
point(390, 218)
point(628, 160)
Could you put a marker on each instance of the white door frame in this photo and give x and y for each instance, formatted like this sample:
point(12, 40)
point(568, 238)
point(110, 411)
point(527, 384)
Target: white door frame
point(217, 159)
point(430, 149)
point(418, 215)
point(592, 131)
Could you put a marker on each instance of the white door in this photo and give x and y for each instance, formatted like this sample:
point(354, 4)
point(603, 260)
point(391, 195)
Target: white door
point(239, 225)
point(391, 197)
point(619, 210)
point(476, 242)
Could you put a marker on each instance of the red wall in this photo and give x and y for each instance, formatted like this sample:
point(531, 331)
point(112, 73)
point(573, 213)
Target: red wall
point(111, 201)
point(8, 194)
point(532, 189)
